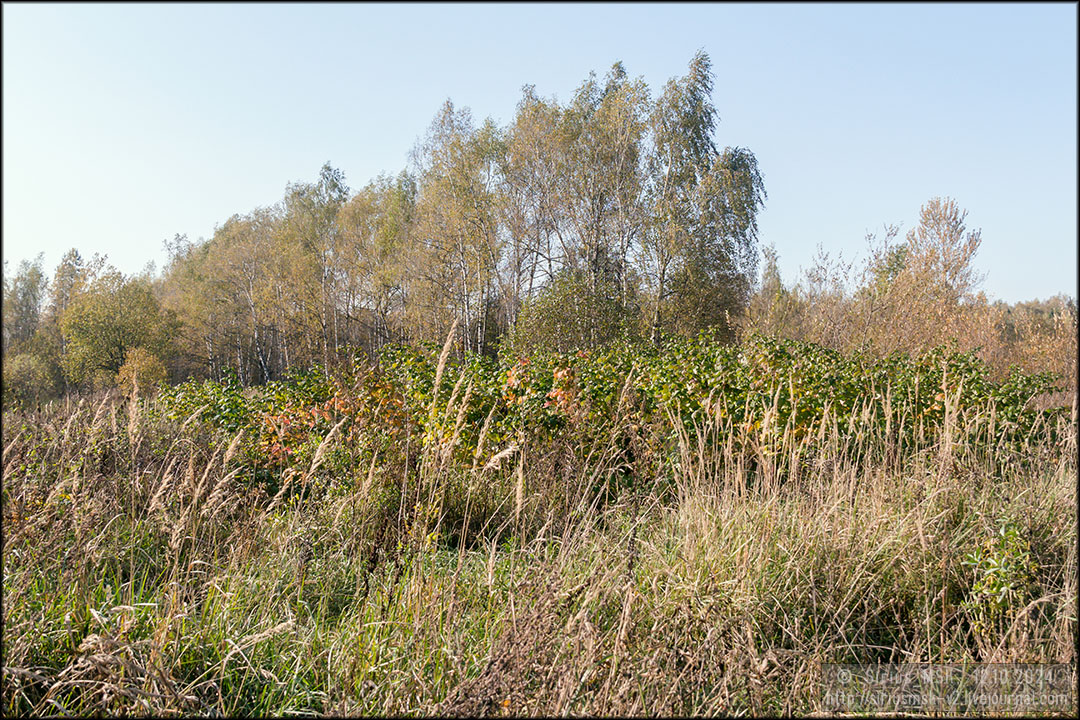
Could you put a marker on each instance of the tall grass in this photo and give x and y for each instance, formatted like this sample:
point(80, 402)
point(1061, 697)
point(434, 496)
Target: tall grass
point(145, 572)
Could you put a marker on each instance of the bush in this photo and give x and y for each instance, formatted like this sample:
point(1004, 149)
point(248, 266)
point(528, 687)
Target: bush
point(623, 399)
point(27, 379)
point(142, 370)
point(570, 315)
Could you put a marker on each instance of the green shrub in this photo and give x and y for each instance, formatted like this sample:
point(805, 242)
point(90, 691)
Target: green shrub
point(570, 314)
point(1003, 578)
point(27, 379)
point(141, 369)
point(761, 394)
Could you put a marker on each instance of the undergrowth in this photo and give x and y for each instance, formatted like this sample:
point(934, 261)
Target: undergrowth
point(689, 531)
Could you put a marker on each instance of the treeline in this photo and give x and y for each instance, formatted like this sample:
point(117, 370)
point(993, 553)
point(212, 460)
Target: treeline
point(616, 210)
point(619, 204)
point(912, 294)
point(614, 215)
point(88, 328)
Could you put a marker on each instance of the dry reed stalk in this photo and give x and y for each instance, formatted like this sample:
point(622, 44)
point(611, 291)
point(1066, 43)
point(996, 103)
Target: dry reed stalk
point(288, 477)
point(10, 445)
point(453, 396)
point(134, 413)
point(627, 388)
point(250, 640)
point(496, 460)
point(194, 416)
point(366, 487)
point(428, 446)
point(359, 493)
point(444, 450)
point(197, 494)
point(459, 422)
point(231, 451)
point(519, 486)
point(478, 453)
point(112, 420)
point(216, 501)
point(156, 503)
point(99, 413)
point(71, 419)
point(320, 451)
point(441, 366)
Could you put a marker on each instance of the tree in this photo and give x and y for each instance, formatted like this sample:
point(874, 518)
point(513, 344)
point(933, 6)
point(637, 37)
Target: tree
point(72, 275)
point(941, 250)
point(27, 378)
point(601, 134)
point(773, 309)
point(625, 201)
point(913, 292)
point(712, 281)
point(570, 314)
point(375, 233)
point(699, 252)
point(107, 319)
point(309, 236)
point(458, 247)
point(24, 295)
point(531, 214)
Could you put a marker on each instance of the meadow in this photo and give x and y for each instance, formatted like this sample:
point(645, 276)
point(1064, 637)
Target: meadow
point(693, 529)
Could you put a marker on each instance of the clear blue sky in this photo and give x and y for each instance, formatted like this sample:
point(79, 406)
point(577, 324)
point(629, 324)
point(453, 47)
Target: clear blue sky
point(124, 125)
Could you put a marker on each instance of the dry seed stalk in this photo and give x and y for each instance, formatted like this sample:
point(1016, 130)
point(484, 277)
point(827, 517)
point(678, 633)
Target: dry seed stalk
point(478, 453)
point(494, 462)
point(320, 452)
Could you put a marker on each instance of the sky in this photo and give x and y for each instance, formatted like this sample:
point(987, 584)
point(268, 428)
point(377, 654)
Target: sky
point(124, 125)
